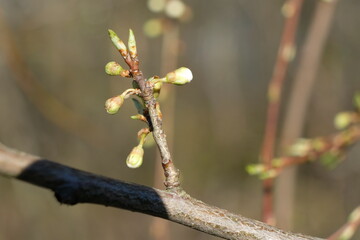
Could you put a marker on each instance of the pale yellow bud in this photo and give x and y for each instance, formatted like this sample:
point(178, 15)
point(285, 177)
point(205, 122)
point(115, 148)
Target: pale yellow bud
point(135, 158)
point(180, 76)
point(112, 105)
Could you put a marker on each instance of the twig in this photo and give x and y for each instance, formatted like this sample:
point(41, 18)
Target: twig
point(299, 98)
point(152, 109)
point(348, 230)
point(291, 10)
point(72, 186)
point(311, 150)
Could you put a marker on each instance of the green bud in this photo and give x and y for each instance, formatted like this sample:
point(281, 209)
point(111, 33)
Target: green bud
point(139, 117)
point(118, 43)
point(114, 69)
point(135, 158)
point(254, 169)
point(180, 76)
point(330, 159)
point(343, 120)
point(157, 89)
point(132, 44)
point(112, 105)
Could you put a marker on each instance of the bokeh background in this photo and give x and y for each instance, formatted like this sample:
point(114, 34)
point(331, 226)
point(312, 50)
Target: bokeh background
point(53, 88)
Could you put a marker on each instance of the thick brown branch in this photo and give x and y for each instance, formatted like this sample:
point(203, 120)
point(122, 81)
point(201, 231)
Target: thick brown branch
point(72, 186)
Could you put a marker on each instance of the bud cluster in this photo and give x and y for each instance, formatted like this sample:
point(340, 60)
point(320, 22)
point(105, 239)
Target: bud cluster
point(179, 76)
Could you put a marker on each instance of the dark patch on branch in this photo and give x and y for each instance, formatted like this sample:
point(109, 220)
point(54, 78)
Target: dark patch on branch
point(72, 186)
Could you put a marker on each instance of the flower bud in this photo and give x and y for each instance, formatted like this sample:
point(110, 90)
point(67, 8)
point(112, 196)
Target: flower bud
point(132, 44)
point(343, 120)
point(118, 43)
point(300, 148)
point(114, 69)
point(180, 76)
point(135, 158)
point(157, 89)
point(254, 169)
point(112, 105)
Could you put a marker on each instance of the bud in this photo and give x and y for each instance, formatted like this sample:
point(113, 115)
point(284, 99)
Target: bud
point(180, 76)
point(112, 105)
point(300, 148)
point(135, 158)
point(139, 117)
point(118, 43)
point(157, 89)
point(132, 44)
point(343, 120)
point(114, 69)
point(254, 169)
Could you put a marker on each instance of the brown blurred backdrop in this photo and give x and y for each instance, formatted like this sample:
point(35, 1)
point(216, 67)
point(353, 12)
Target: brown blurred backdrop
point(60, 48)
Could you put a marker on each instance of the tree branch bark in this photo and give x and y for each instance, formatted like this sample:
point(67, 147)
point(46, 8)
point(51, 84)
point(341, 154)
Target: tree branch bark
point(72, 186)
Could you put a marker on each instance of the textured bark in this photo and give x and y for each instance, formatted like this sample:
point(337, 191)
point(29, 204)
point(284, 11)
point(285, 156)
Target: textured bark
point(72, 186)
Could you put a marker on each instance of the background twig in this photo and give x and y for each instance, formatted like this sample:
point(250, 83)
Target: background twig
point(291, 11)
point(300, 95)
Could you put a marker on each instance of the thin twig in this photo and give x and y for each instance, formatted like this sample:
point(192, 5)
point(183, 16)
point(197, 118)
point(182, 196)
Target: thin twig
point(348, 229)
point(314, 149)
point(291, 10)
point(72, 186)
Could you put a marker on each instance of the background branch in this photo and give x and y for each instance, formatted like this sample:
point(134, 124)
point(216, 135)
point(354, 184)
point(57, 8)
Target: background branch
point(72, 186)
point(304, 80)
point(291, 11)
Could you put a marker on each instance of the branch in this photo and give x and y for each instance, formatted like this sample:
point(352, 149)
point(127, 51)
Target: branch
point(299, 98)
point(286, 52)
point(348, 229)
point(330, 150)
point(72, 186)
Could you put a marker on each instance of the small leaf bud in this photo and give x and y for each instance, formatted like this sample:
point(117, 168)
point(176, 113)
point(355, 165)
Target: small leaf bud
point(112, 105)
point(118, 43)
point(254, 169)
point(135, 158)
point(132, 44)
point(343, 120)
point(157, 89)
point(180, 76)
point(114, 69)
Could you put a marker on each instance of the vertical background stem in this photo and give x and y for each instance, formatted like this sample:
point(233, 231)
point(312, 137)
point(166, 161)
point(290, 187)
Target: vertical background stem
point(159, 228)
point(299, 98)
point(291, 12)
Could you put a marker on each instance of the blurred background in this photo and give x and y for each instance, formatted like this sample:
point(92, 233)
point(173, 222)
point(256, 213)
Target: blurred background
point(53, 88)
